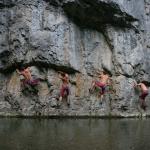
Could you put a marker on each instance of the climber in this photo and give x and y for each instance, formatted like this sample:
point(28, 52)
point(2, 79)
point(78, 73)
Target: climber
point(144, 93)
point(25, 71)
point(64, 91)
point(104, 81)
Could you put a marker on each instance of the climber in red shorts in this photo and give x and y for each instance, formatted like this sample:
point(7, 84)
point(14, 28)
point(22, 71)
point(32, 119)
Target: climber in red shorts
point(64, 91)
point(102, 83)
point(144, 93)
point(27, 76)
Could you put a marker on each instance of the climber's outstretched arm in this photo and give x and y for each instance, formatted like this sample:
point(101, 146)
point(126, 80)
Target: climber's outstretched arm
point(18, 71)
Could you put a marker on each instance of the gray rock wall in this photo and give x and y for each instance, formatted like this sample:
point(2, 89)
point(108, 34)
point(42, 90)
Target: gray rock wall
point(80, 38)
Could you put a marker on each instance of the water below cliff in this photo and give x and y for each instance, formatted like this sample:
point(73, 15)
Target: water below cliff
point(74, 134)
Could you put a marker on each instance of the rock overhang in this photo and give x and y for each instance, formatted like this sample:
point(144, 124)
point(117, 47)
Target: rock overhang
point(95, 14)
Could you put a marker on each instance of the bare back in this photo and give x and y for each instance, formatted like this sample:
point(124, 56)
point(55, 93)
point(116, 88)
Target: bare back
point(104, 78)
point(143, 87)
point(65, 79)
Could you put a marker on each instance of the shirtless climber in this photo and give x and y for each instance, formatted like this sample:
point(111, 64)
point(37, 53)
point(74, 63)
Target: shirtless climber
point(144, 93)
point(27, 76)
point(104, 80)
point(64, 91)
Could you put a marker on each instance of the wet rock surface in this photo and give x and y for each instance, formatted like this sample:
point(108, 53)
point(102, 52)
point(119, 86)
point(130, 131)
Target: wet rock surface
point(80, 38)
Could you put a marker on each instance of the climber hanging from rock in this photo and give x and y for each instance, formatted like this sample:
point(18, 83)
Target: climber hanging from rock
point(26, 73)
point(64, 91)
point(144, 93)
point(104, 80)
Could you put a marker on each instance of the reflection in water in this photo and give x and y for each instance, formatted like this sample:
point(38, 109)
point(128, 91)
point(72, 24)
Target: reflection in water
point(74, 134)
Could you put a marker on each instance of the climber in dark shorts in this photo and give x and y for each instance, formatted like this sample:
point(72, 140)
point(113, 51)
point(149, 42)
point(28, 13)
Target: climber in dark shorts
point(27, 76)
point(64, 91)
point(144, 93)
point(102, 83)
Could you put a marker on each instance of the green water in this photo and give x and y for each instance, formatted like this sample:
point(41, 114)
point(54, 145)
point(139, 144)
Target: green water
point(74, 134)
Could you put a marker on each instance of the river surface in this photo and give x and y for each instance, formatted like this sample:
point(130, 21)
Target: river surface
point(74, 134)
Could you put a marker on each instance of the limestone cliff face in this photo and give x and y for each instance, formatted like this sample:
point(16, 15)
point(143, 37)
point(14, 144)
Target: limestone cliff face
point(79, 37)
